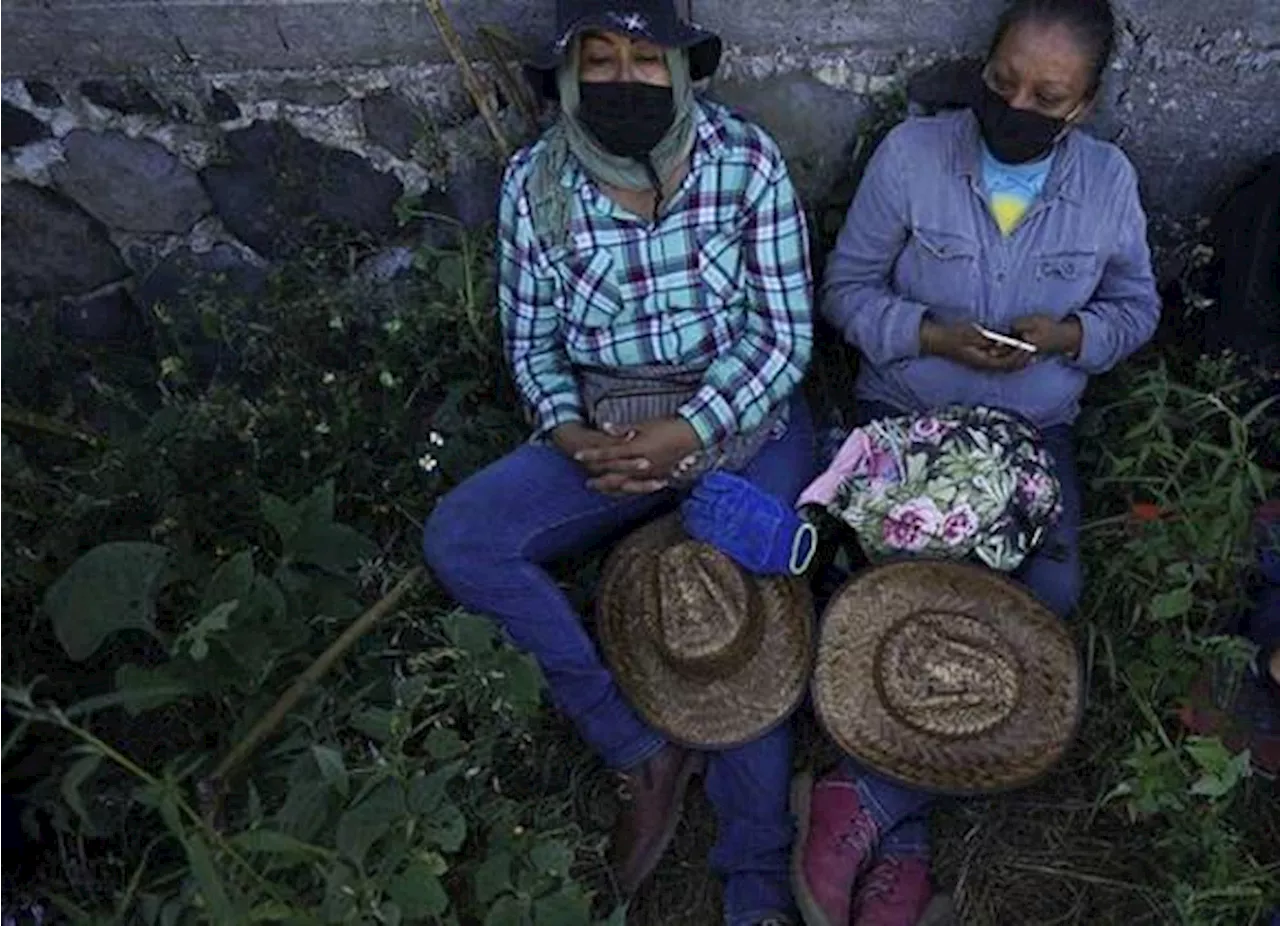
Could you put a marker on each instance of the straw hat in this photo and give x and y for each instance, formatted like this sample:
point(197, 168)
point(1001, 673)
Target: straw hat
point(707, 654)
point(947, 677)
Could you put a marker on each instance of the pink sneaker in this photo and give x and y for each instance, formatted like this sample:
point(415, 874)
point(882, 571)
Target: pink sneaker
point(895, 892)
point(835, 839)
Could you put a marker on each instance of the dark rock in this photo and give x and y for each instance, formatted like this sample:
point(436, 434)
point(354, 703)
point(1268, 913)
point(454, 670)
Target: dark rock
point(105, 318)
point(186, 285)
point(392, 122)
point(951, 84)
point(814, 124)
point(129, 183)
point(306, 93)
point(473, 193)
point(386, 265)
point(279, 190)
point(51, 247)
point(20, 128)
point(185, 279)
point(222, 106)
point(43, 94)
point(128, 97)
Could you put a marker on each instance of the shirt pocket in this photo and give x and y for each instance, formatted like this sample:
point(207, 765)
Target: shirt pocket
point(589, 295)
point(940, 269)
point(699, 309)
point(1063, 280)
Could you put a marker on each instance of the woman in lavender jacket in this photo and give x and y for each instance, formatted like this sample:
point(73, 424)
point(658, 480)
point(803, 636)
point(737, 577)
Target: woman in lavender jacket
point(1001, 216)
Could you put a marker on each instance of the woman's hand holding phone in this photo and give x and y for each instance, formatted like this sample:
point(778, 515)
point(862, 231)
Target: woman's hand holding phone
point(965, 344)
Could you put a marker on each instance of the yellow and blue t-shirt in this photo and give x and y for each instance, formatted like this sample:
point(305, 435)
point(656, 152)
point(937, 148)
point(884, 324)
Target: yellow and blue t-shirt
point(1012, 188)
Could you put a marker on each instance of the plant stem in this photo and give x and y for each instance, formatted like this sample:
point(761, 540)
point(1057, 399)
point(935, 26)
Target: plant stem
point(211, 787)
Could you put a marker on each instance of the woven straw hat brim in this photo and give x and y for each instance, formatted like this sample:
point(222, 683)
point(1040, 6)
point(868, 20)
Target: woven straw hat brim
point(717, 714)
point(851, 703)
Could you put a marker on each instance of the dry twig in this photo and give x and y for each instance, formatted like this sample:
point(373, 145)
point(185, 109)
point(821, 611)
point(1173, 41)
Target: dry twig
point(452, 42)
point(212, 787)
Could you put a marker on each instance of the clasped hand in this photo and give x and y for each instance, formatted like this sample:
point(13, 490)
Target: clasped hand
point(632, 460)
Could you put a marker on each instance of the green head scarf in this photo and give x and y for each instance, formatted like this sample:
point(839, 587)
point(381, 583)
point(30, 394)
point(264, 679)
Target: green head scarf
point(569, 137)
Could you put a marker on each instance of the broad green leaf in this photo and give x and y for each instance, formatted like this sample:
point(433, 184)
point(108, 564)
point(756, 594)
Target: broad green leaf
point(450, 272)
point(233, 580)
point(195, 639)
point(335, 548)
point(274, 842)
point(553, 858)
point(444, 743)
point(111, 588)
point(310, 801)
point(143, 688)
point(1169, 605)
point(365, 823)
point(470, 633)
point(282, 517)
point(390, 914)
point(568, 906)
point(317, 508)
point(206, 874)
point(418, 893)
point(374, 722)
point(73, 780)
point(492, 878)
point(427, 791)
point(522, 684)
point(508, 911)
point(332, 768)
point(445, 827)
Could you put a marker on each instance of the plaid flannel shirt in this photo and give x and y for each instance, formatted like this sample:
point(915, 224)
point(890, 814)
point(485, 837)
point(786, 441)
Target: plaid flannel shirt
point(723, 278)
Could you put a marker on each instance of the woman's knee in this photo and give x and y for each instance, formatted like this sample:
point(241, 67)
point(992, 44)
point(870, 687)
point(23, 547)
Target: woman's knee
point(455, 543)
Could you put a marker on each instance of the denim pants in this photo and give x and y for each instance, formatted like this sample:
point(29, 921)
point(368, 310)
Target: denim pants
point(488, 542)
point(1052, 574)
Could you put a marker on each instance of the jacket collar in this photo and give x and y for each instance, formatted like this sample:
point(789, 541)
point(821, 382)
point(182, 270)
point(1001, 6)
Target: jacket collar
point(1065, 179)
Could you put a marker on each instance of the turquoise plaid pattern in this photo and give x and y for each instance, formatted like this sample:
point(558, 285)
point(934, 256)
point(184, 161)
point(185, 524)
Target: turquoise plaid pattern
point(722, 279)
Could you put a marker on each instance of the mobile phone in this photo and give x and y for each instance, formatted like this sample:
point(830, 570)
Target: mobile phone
point(1006, 340)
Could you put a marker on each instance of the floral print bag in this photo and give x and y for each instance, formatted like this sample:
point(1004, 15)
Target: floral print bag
point(960, 483)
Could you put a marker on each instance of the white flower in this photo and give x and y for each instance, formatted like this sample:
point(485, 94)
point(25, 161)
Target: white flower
point(435, 440)
point(427, 463)
point(336, 322)
point(388, 379)
point(329, 379)
point(322, 427)
point(392, 326)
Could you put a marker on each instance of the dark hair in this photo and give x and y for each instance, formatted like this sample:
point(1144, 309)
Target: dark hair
point(1092, 21)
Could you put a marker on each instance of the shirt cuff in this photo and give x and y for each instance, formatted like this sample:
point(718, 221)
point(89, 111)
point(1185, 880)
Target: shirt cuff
point(711, 416)
point(900, 338)
point(1090, 358)
point(554, 411)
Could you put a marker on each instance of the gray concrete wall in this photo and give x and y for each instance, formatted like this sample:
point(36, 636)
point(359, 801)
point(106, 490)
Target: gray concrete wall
point(1194, 91)
point(195, 85)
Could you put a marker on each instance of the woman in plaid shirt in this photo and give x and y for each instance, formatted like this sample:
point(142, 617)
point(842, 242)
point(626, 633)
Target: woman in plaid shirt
point(655, 294)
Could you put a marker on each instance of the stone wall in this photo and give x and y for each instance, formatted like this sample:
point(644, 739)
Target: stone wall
point(211, 133)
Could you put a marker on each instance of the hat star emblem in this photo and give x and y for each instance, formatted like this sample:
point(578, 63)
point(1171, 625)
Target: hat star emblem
point(633, 22)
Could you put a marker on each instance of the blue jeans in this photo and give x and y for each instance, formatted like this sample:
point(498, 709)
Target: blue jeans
point(1052, 574)
point(488, 542)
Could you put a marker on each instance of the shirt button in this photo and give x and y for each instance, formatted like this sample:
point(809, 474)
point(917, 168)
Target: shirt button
point(1000, 277)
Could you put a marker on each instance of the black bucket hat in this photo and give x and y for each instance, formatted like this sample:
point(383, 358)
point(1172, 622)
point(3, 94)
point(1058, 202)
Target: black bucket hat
point(655, 20)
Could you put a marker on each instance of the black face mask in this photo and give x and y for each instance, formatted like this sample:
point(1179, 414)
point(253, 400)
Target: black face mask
point(627, 118)
point(1015, 136)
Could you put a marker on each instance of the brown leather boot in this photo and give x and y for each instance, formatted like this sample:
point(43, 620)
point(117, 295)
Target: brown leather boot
point(654, 794)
